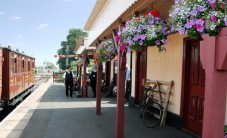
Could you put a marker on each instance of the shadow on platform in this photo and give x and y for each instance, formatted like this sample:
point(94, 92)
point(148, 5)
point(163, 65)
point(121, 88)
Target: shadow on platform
point(58, 116)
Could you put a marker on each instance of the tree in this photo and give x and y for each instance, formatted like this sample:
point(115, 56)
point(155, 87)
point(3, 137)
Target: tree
point(72, 37)
point(49, 65)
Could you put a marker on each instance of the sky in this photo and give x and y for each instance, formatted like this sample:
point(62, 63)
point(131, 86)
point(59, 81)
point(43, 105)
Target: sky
point(37, 27)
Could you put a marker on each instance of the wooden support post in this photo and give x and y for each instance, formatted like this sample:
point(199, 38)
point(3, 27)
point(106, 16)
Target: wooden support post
point(214, 60)
point(120, 89)
point(98, 89)
point(80, 76)
point(77, 71)
point(120, 95)
point(84, 76)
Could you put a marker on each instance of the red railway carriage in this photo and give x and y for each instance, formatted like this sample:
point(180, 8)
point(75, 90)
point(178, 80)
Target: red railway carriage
point(1, 73)
point(17, 71)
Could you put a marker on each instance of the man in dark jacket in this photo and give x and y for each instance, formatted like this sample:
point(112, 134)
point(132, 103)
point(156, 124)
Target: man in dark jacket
point(69, 81)
point(92, 78)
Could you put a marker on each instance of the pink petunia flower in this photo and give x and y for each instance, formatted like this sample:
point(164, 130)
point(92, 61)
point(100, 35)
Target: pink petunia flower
point(213, 5)
point(117, 38)
point(214, 18)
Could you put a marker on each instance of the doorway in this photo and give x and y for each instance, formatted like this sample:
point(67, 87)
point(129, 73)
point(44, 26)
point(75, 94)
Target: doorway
point(194, 87)
point(141, 73)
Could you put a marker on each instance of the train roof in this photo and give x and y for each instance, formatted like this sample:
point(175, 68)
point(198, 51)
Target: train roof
point(15, 51)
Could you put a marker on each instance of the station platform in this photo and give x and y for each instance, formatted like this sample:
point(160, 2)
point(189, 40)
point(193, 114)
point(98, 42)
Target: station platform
point(48, 113)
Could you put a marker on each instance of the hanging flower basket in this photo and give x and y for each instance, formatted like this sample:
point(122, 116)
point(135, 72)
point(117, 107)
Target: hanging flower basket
point(144, 31)
point(196, 17)
point(103, 50)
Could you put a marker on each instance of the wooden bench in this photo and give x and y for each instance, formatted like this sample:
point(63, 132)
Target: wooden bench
point(162, 93)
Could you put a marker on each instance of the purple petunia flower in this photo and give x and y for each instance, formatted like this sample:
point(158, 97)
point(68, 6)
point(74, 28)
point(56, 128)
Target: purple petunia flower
point(164, 30)
point(199, 21)
point(172, 28)
point(157, 42)
point(138, 30)
point(130, 42)
point(200, 25)
point(143, 37)
point(119, 33)
point(151, 22)
point(175, 11)
point(181, 30)
point(200, 8)
point(176, 1)
point(225, 23)
point(194, 12)
point(212, 1)
point(190, 24)
point(125, 29)
point(143, 27)
point(156, 18)
point(141, 42)
point(164, 41)
point(136, 37)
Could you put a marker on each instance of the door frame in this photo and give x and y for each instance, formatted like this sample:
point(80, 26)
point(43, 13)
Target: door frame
point(137, 73)
point(184, 80)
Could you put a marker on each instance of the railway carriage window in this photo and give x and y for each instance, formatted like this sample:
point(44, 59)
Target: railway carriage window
point(29, 66)
point(33, 64)
point(15, 65)
point(20, 66)
point(26, 65)
point(12, 64)
point(23, 66)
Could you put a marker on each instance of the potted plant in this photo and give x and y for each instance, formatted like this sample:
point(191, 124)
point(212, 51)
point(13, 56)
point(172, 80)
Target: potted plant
point(103, 50)
point(196, 17)
point(143, 31)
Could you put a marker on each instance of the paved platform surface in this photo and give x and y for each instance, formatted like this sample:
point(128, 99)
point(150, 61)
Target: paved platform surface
point(48, 113)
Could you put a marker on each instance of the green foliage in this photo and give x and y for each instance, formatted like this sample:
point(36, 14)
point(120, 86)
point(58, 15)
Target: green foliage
point(72, 65)
point(72, 37)
point(50, 65)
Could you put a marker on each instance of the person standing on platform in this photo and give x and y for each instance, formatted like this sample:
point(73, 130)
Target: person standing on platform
point(92, 78)
point(69, 81)
point(127, 83)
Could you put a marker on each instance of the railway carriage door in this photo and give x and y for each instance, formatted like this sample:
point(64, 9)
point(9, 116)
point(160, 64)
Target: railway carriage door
point(1, 63)
point(23, 73)
point(194, 88)
point(141, 72)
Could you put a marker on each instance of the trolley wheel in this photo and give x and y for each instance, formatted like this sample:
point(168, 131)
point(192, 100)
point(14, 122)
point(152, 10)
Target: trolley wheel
point(152, 114)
